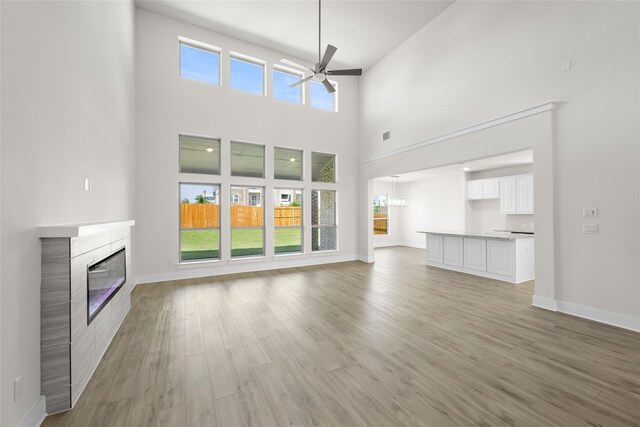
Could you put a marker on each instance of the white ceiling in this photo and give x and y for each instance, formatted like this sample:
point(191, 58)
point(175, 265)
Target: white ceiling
point(363, 30)
point(502, 161)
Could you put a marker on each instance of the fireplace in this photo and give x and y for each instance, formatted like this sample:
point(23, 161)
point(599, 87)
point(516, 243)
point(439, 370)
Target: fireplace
point(104, 280)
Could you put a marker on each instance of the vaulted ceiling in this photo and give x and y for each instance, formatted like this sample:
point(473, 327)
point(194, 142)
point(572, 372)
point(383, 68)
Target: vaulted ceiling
point(364, 31)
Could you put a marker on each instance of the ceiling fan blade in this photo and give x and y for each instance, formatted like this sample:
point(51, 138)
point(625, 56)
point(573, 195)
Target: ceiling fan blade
point(350, 72)
point(328, 54)
point(327, 84)
point(299, 82)
point(295, 64)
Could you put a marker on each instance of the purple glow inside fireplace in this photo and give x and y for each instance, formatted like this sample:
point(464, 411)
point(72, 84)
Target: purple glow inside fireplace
point(104, 280)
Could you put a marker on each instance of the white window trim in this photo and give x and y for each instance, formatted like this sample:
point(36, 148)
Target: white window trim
point(219, 228)
point(335, 97)
point(335, 171)
point(303, 87)
point(250, 60)
point(202, 46)
point(264, 160)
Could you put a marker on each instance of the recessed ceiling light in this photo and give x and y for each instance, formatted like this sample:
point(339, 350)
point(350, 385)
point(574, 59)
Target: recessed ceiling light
point(210, 150)
point(466, 168)
point(293, 159)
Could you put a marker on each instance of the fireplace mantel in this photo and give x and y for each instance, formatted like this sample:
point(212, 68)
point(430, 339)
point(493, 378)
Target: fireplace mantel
point(81, 229)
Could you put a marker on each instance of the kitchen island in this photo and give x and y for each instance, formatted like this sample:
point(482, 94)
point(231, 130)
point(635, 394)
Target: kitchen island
point(502, 256)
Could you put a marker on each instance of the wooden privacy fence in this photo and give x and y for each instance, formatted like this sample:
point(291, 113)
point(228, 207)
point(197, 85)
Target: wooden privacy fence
point(287, 216)
point(379, 223)
point(207, 215)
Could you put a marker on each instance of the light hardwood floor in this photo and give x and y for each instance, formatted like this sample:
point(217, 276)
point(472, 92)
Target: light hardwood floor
point(395, 343)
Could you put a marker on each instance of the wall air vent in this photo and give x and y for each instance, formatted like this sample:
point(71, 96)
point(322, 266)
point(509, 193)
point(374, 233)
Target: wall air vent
point(386, 135)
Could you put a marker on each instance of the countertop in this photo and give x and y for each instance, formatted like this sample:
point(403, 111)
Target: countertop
point(482, 234)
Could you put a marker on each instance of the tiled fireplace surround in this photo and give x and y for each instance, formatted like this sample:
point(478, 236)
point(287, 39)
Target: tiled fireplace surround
point(70, 347)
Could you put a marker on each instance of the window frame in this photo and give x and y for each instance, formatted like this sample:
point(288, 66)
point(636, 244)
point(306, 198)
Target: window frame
point(263, 186)
point(180, 229)
point(297, 73)
point(335, 96)
point(386, 217)
point(264, 159)
point(253, 61)
point(194, 44)
point(335, 167)
point(302, 161)
point(302, 220)
point(319, 226)
point(220, 151)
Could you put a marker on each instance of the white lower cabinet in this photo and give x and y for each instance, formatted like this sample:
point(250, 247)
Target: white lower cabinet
point(509, 260)
point(434, 248)
point(501, 257)
point(475, 254)
point(453, 251)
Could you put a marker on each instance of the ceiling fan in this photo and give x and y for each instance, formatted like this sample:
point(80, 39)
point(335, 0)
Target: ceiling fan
point(319, 70)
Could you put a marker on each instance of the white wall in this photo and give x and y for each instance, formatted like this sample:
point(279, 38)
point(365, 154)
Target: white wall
point(482, 60)
point(67, 113)
point(168, 105)
point(484, 215)
point(435, 204)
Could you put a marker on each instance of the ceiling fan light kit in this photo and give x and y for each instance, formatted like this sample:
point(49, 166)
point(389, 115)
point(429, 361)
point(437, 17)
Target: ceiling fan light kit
point(319, 70)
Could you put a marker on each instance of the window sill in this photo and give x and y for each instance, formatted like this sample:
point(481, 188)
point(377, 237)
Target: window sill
point(190, 264)
point(327, 252)
point(289, 255)
point(247, 259)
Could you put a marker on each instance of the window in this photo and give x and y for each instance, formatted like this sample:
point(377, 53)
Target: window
point(200, 63)
point(199, 155)
point(287, 163)
point(380, 214)
point(323, 167)
point(287, 220)
point(247, 160)
point(323, 100)
point(323, 220)
point(235, 198)
point(281, 89)
point(247, 222)
point(199, 221)
point(247, 75)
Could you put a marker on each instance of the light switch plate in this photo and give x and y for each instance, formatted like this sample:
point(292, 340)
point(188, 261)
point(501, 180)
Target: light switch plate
point(590, 228)
point(590, 212)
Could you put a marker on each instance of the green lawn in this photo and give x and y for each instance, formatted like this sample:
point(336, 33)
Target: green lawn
point(199, 244)
point(204, 244)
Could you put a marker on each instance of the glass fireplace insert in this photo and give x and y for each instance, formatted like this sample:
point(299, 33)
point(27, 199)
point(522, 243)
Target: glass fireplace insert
point(104, 280)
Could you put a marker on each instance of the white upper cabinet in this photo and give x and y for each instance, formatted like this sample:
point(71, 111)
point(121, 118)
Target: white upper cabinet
point(490, 188)
point(508, 195)
point(478, 189)
point(474, 189)
point(524, 194)
point(516, 194)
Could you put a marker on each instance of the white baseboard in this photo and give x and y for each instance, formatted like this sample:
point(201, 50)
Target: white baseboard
point(595, 314)
point(36, 414)
point(602, 316)
point(414, 245)
point(246, 267)
point(367, 259)
point(546, 303)
point(385, 244)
